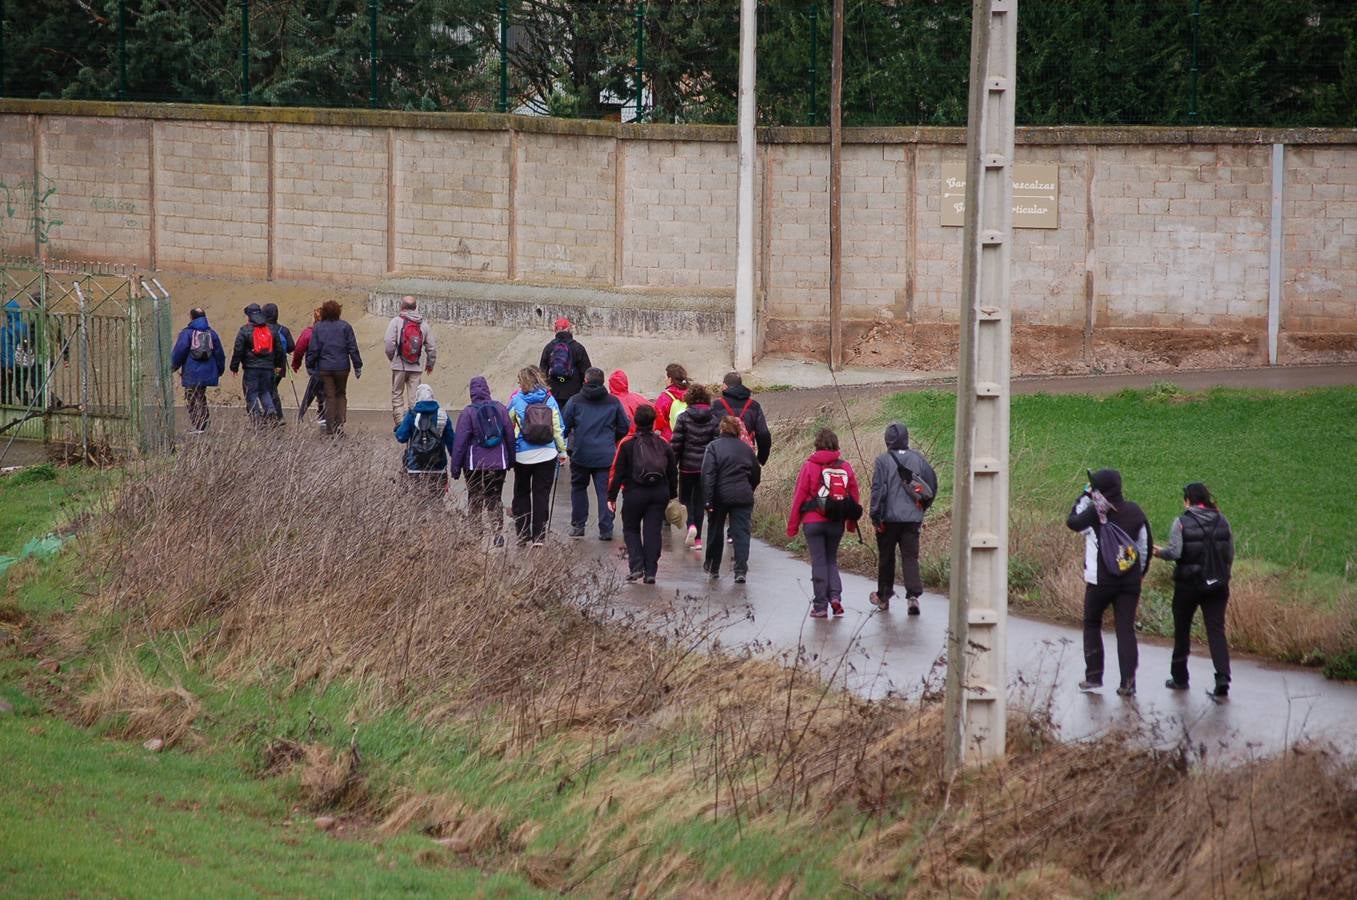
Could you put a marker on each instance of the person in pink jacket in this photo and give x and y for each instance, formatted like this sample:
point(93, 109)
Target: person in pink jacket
point(671, 403)
point(824, 505)
point(620, 387)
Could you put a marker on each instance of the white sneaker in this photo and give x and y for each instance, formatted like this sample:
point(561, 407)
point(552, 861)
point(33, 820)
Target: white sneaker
point(691, 536)
point(320, 423)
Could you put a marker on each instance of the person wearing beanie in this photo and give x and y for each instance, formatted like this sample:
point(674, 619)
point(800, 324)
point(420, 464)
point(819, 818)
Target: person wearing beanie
point(200, 359)
point(903, 487)
point(564, 362)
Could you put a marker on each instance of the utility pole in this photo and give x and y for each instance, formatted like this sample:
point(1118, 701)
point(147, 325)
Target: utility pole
point(744, 216)
point(836, 190)
point(975, 711)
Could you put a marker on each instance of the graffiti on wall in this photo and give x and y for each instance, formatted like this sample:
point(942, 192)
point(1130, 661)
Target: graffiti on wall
point(25, 209)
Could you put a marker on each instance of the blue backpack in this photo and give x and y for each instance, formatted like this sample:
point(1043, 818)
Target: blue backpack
point(485, 424)
point(562, 363)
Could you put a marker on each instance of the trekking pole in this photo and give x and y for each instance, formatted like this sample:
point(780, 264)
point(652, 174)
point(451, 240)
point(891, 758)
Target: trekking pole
point(555, 480)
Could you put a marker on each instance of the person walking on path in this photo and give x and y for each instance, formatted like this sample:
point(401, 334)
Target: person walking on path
point(484, 450)
point(903, 487)
point(259, 350)
point(730, 473)
point(539, 452)
point(694, 429)
point(331, 353)
point(620, 387)
point(314, 390)
point(737, 400)
point(201, 360)
point(594, 422)
point(1202, 546)
point(824, 504)
point(646, 472)
point(409, 344)
point(564, 362)
point(671, 401)
point(1117, 544)
point(16, 357)
point(271, 316)
point(429, 438)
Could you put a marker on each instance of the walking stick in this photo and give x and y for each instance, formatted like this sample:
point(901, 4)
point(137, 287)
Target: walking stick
point(555, 480)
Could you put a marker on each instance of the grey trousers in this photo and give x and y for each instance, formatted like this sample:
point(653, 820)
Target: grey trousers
point(822, 541)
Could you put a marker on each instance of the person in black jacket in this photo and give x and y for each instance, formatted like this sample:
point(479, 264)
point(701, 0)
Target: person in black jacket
point(564, 362)
point(1112, 574)
point(736, 400)
point(694, 429)
point(271, 316)
point(1203, 546)
point(259, 350)
point(730, 473)
point(645, 469)
point(593, 423)
point(332, 350)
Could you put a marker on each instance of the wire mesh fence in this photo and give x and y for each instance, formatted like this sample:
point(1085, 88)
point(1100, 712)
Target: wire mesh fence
point(1114, 62)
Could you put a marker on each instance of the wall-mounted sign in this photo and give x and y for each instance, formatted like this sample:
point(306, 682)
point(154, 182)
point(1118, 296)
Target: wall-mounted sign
point(1036, 195)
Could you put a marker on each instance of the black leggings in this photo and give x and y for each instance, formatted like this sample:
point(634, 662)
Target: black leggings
point(1123, 599)
point(1186, 599)
point(690, 495)
point(642, 522)
point(533, 483)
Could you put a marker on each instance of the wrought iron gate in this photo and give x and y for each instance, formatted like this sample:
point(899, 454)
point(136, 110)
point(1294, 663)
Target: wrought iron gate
point(84, 357)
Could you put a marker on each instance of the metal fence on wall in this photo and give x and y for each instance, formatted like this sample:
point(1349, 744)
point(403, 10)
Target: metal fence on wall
point(84, 359)
point(1230, 62)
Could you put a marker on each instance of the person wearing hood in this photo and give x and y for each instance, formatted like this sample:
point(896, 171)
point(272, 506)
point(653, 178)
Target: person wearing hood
point(1202, 546)
point(410, 346)
point(620, 387)
point(564, 362)
point(695, 428)
point(671, 403)
point(332, 350)
point(903, 487)
point(429, 438)
point(259, 350)
point(200, 359)
point(645, 473)
point(271, 317)
point(484, 450)
point(824, 504)
point(593, 422)
point(738, 401)
point(539, 452)
point(314, 389)
point(15, 348)
point(730, 473)
point(1117, 542)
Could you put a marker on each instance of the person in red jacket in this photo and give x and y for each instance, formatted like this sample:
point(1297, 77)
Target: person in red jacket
point(670, 403)
point(314, 391)
point(620, 387)
point(824, 504)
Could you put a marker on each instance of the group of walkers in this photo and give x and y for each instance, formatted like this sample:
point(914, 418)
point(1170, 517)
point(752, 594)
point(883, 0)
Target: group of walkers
point(696, 460)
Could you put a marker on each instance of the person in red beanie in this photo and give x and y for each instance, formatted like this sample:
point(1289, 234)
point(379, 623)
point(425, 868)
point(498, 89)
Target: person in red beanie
point(564, 361)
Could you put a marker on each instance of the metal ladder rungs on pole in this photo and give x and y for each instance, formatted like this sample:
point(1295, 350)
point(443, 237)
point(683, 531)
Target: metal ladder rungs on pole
point(986, 465)
point(981, 540)
point(987, 389)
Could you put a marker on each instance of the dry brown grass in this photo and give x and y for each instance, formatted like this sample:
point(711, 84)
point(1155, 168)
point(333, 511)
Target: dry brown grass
point(319, 567)
point(135, 707)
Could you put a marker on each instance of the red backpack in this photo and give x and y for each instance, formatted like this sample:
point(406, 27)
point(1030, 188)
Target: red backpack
point(411, 341)
point(262, 341)
point(745, 434)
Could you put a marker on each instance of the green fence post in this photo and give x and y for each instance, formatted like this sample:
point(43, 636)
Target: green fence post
point(504, 56)
point(814, 52)
point(2, 48)
point(244, 52)
point(640, 60)
point(1196, 16)
point(372, 53)
point(122, 49)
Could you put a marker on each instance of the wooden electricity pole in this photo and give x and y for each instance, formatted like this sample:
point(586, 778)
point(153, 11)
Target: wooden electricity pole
point(975, 714)
point(836, 190)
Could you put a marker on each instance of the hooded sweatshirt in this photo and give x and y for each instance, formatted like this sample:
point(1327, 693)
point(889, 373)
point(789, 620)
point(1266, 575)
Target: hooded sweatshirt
point(524, 452)
point(1084, 518)
point(13, 334)
point(391, 343)
point(271, 316)
point(198, 372)
point(664, 410)
point(425, 404)
point(1188, 539)
point(696, 427)
point(243, 352)
point(564, 389)
point(468, 455)
point(620, 387)
point(808, 484)
point(739, 401)
point(594, 422)
point(891, 500)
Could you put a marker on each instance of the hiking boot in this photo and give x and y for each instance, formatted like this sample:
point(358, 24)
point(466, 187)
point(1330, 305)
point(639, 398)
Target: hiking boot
point(320, 423)
point(1220, 691)
point(1127, 689)
point(1089, 684)
point(690, 536)
point(739, 578)
point(633, 577)
point(837, 605)
point(819, 612)
point(697, 543)
point(713, 575)
point(649, 579)
point(538, 543)
point(881, 603)
point(913, 605)
point(1174, 685)
point(577, 531)
point(605, 536)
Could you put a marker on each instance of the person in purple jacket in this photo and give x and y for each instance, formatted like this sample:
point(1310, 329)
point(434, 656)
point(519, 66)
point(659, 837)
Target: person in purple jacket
point(484, 449)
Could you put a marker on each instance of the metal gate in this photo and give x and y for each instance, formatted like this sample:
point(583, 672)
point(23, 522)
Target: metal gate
point(84, 358)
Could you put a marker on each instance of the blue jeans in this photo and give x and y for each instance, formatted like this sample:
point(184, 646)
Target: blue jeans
point(580, 476)
point(259, 394)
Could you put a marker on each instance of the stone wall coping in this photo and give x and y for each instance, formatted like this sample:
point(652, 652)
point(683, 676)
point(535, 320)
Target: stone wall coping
point(1082, 135)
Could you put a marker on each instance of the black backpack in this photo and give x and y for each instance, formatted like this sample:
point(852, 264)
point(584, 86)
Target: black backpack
point(426, 445)
point(649, 459)
point(1119, 551)
point(1214, 572)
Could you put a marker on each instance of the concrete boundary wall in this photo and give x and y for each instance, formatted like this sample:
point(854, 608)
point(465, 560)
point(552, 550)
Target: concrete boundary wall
point(1162, 227)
